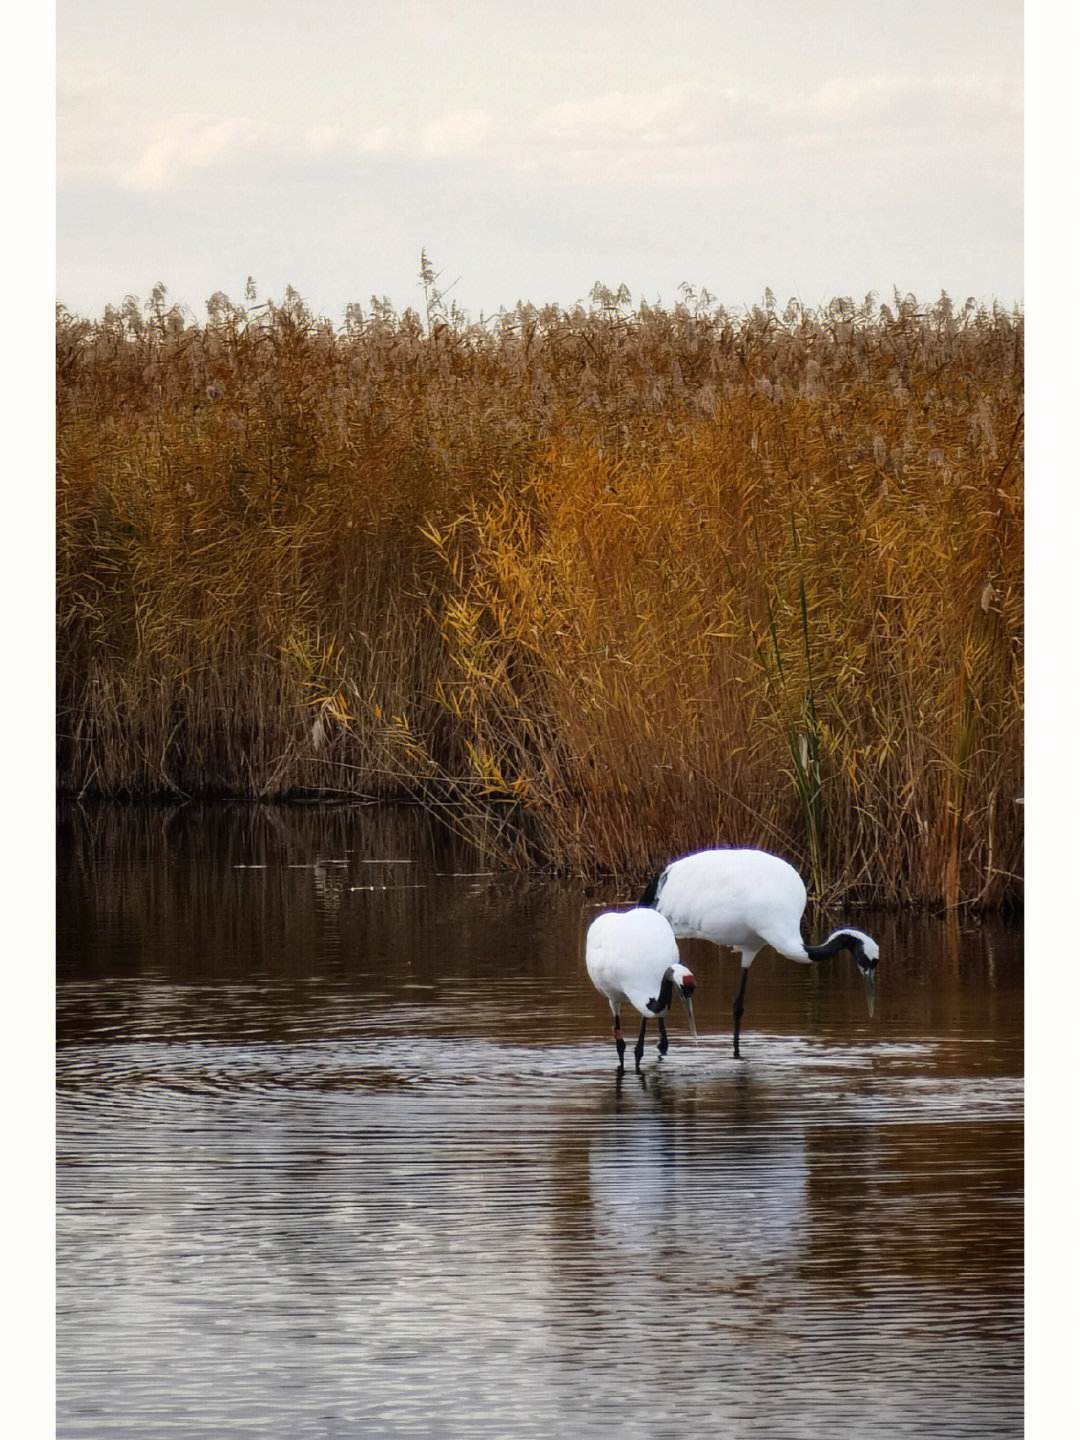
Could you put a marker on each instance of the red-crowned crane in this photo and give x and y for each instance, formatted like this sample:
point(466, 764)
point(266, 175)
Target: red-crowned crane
point(746, 899)
point(633, 955)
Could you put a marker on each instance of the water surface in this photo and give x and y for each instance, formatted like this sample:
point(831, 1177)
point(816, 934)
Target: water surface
point(342, 1152)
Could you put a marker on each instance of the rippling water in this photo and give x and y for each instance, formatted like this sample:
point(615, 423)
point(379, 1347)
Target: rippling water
point(342, 1152)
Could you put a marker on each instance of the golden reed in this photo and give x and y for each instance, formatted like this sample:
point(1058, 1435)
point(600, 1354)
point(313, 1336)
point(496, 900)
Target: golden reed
point(598, 585)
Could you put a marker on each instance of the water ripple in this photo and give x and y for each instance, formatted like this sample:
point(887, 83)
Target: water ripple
point(386, 1182)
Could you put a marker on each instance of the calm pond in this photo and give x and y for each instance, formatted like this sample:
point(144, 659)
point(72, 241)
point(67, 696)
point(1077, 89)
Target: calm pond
point(342, 1152)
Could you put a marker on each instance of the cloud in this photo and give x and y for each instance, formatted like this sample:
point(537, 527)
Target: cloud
point(674, 136)
point(323, 139)
point(915, 99)
point(90, 128)
point(872, 117)
point(190, 142)
point(677, 135)
point(371, 142)
point(461, 132)
point(673, 115)
point(691, 134)
point(186, 143)
point(337, 140)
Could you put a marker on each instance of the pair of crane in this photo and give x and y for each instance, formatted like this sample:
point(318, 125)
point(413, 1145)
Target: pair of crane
point(742, 899)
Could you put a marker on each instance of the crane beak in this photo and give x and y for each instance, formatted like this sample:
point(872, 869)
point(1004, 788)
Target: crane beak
point(690, 1018)
point(688, 1001)
point(870, 980)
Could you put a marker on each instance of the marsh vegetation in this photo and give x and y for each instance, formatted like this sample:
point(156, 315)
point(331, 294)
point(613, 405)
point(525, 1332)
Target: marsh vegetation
point(597, 585)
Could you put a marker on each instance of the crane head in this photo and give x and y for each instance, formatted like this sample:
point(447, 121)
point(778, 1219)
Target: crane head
point(863, 948)
point(866, 953)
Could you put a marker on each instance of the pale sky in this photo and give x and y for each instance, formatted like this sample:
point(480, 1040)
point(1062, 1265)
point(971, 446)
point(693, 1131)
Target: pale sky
point(818, 147)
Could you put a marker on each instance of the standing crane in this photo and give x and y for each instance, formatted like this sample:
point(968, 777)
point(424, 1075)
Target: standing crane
point(633, 955)
point(746, 899)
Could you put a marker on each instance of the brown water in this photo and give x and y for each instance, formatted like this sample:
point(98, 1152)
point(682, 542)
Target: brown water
point(342, 1152)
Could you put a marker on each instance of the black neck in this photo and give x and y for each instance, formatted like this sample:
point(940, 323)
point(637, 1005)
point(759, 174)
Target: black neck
point(843, 941)
point(662, 1003)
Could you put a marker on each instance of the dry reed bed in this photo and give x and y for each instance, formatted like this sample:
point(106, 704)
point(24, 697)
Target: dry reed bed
point(597, 585)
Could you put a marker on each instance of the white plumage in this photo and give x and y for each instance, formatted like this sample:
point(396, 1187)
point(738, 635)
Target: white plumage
point(747, 899)
point(632, 955)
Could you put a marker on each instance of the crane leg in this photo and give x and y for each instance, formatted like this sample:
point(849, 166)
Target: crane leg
point(620, 1043)
point(737, 1009)
point(639, 1048)
point(663, 1045)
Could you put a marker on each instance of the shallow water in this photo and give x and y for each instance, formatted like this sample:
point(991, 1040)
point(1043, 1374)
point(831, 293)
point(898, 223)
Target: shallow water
point(342, 1152)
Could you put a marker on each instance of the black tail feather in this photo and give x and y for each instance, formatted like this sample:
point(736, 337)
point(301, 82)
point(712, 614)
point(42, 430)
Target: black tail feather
point(652, 890)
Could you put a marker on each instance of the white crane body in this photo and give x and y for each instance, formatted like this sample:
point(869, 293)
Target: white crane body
point(632, 957)
point(745, 900)
point(626, 954)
